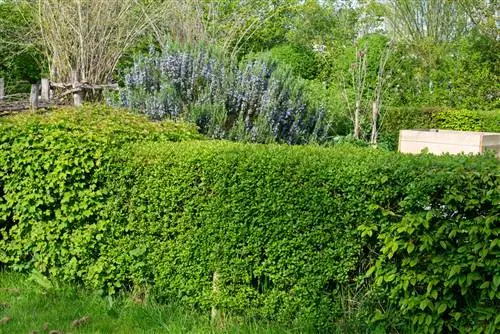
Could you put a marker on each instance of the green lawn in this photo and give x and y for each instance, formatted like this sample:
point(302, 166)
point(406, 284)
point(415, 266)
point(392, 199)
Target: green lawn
point(32, 304)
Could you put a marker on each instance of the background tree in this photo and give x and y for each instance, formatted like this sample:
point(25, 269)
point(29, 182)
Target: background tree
point(21, 58)
point(88, 36)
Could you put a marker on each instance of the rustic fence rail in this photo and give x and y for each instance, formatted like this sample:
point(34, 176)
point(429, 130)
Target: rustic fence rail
point(43, 95)
point(39, 97)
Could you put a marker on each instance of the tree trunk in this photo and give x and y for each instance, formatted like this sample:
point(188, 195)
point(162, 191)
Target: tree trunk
point(375, 114)
point(357, 125)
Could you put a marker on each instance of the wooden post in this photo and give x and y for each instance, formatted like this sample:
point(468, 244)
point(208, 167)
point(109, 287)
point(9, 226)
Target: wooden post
point(45, 90)
point(34, 97)
point(2, 89)
point(77, 95)
point(215, 291)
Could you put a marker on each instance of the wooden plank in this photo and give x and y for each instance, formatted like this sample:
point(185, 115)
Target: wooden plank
point(448, 141)
point(490, 139)
point(6, 108)
point(34, 96)
point(113, 86)
point(45, 95)
point(77, 94)
point(443, 137)
point(437, 148)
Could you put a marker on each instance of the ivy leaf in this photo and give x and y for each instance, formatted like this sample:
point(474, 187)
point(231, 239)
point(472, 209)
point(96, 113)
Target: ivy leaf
point(410, 247)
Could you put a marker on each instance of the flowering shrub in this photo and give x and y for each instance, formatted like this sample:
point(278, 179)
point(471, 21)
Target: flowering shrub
point(258, 101)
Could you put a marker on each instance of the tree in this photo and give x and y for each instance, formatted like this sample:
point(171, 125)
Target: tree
point(88, 36)
point(418, 21)
point(235, 26)
point(379, 90)
point(22, 60)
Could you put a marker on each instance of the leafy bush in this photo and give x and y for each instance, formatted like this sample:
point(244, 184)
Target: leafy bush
point(51, 175)
point(301, 59)
point(22, 63)
point(100, 122)
point(259, 102)
point(469, 120)
point(437, 263)
point(284, 233)
point(395, 119)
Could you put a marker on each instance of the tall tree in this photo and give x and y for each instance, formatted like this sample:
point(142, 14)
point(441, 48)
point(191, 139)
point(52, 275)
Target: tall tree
point(433, 21)
point(21, 57)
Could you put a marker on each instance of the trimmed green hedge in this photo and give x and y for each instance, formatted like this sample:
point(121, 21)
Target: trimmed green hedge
point(338, 238)
point(469, 120)
point(396, 119)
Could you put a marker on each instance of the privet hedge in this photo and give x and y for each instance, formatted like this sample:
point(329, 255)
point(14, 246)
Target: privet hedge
point(291, 234)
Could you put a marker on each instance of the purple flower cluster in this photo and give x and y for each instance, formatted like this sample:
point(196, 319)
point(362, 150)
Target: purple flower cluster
point(258, 101)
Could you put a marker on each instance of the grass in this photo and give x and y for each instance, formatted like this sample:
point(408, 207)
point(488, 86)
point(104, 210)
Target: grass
point(32, 304)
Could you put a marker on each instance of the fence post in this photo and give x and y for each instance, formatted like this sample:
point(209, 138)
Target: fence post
point(77, 95)
point(34, 97)
point(2, 89)
point(45, 90)
point(215, 292)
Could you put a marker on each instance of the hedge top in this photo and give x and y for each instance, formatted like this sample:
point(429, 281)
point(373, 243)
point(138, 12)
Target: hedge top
point(102, 120)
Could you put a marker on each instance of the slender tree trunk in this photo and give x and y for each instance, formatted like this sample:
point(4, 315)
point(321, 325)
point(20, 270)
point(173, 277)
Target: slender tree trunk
point(377, 102)
point(375, 114)
point(357, 125)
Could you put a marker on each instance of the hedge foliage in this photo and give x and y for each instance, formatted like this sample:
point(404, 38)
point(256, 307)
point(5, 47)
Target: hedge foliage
point(396, 119)
point(324, 236)
point(51, 175)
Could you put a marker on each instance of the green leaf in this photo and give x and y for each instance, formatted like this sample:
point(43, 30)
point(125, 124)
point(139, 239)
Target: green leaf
point(485, 285)
point(496, 281)
point(454, 270)
point(138, 251)
point(442, 307)
point(370, 271)
point(389, 278)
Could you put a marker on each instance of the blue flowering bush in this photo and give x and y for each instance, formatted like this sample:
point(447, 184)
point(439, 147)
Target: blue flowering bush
point(257, 101)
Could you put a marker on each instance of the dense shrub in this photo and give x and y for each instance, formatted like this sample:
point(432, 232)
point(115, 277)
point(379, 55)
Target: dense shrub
point(468, 120)
point(292, 234)
point(98, 122)
point(258, 101)
point(50, 180)
point(302, 60)
point(396, 119)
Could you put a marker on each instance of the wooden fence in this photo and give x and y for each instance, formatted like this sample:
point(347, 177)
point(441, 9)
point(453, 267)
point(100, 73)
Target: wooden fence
point(43, 95)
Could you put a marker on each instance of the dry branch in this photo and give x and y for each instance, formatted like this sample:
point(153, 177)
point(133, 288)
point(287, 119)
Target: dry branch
point(89, 36)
